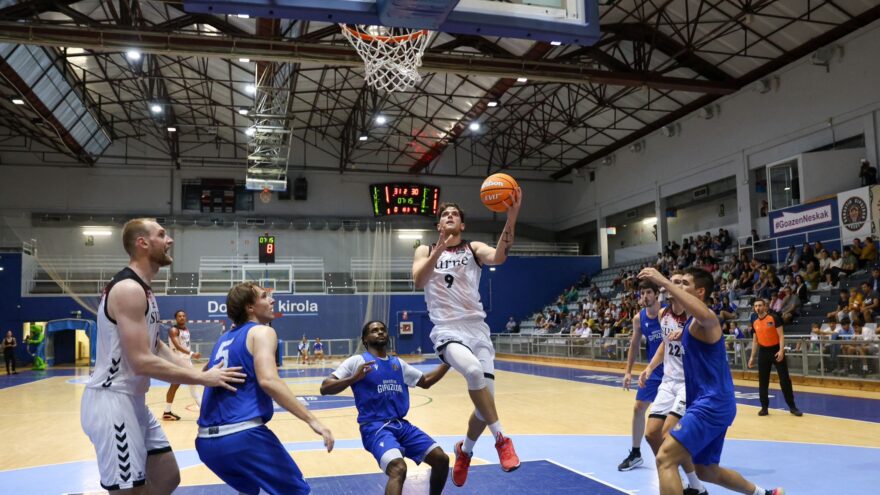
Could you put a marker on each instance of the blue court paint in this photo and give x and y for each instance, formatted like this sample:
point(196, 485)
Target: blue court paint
point(811, 403)
point(769, 464)
point(533, 478)
point(24, 377)
point(322, 402)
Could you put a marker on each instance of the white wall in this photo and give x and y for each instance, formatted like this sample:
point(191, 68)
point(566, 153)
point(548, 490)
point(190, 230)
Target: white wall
point(752, 129)
point(704, 217)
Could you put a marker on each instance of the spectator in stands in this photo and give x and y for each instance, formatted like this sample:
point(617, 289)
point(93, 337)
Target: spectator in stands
point(791, 304)
point(801, 291)
point(765, 208)
point(512, 326)
point(869, 253)
point(856, 302)
point(843, 333)
point(807, 255)
point(868, 347)
point(824, 261)
point(553, 321)
point(829, 283)
point(594, 293)
point(572, 294)
point(867, 173)
point(792, 258)
point(836, 264)
point(850, 261)
point(812, 276)
point(842, 307)
point(732, 334)
point(870, 302)
point(762, 286)
point(777, 301)
point(725, 310)
point(754, 237)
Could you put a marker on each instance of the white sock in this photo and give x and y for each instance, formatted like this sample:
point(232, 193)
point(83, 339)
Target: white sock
point(496, 430)
point(694, 482)
point(168, 407)
point(759, 491)
point(468, 446)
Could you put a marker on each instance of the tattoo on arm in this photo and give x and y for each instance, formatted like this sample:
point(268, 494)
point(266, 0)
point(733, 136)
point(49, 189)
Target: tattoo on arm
point(507, 239)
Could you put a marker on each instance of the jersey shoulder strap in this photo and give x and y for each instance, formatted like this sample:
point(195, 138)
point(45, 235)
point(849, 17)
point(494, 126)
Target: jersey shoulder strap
point(476, 258)
point(125, 274)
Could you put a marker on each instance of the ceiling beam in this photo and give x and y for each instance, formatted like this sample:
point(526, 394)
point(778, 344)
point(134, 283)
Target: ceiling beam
point(101, 38)
point(830, 36)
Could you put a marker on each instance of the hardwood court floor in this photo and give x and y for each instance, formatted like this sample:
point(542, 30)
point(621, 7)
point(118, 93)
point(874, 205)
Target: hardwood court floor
point(569, 416)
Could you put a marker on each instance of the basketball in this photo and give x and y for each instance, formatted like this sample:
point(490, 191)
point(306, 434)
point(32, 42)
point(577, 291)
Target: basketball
point(496, 189)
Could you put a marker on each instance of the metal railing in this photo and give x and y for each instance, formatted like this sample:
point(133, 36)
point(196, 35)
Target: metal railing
point(774, 249)
point(853, 359)
point(333, 348)
point(84, 274)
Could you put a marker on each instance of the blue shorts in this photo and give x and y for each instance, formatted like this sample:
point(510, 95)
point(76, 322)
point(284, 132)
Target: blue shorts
point(702, 430)
point(649, 393)
point(253, 459)
point(380, 436)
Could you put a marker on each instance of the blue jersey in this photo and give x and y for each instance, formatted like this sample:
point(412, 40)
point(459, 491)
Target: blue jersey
point(707, 376)
point(318, 347)
point(652, 331)
point(382, 394)
point(249, 401)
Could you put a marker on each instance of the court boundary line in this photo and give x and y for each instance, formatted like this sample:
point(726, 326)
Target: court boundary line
point(588, 476)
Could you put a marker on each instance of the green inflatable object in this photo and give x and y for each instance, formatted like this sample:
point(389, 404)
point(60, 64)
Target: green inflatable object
point(37, 340)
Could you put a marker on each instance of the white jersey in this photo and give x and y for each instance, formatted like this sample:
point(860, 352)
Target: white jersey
point(182, 337)
point(112, 371)
point(673, 368)
point(452, 293)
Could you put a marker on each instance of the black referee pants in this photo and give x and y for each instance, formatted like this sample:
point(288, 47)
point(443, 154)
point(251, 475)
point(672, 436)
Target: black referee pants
point(767, 359)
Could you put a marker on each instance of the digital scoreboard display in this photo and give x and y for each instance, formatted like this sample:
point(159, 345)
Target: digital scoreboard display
point(267, 248)
point(404, 199)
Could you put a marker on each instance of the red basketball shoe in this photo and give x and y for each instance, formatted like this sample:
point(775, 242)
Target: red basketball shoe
point(462, 463)
point(506, 454)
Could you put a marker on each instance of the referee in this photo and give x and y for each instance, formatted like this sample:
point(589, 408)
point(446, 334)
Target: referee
point(769, 346)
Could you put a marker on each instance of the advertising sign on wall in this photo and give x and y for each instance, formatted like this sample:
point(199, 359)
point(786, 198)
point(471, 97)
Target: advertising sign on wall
point(855, 214)
point(803, 218)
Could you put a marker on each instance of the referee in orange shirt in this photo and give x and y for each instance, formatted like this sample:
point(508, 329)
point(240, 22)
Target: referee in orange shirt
point(769, 347)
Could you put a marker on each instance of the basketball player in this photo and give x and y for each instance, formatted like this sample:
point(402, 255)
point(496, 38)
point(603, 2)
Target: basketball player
point(233, 439)
point(178, 342)
point(380, 384)
point(318, 349)
point(133, 454)
point(645, 323)
point(449, 271)
point(711, 405)
point(669, 404)
point(303, 349)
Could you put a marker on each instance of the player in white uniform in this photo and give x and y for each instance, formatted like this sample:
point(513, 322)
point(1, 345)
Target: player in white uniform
point(130, 445)
point(449, 271)
point(178, 342)
point(669, 405)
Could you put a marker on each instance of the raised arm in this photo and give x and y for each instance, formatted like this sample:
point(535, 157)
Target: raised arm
point(433, 376)
point(262, 342)
point(498, 255)
point(127, 305)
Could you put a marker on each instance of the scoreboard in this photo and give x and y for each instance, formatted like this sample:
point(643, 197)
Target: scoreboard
point(396, 198)
point(267, 248)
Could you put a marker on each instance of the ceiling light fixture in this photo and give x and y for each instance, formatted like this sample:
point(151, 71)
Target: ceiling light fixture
point(555, 43)
point(133, 55)
point(243, 111)
point(380, 119)
point(522, 79)
point(492, 104)
point(97, 232)
point(172, 129)
point(363, 137)
point(156, 108)
point(250, 89)
point(250, 131)
point(474, 126)
point(17, 101)
point(244, 60)
point(243, 16)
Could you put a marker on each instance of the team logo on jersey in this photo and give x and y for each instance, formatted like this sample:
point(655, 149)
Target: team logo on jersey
point(395, 367)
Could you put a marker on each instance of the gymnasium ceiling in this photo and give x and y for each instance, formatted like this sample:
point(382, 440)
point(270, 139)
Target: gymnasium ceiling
point(657, 60)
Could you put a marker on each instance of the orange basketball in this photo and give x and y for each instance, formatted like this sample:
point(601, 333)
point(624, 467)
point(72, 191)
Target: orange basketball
point(496, 189)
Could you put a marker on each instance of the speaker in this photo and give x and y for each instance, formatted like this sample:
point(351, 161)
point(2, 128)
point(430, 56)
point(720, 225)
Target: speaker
point(300, 189)
point(285, 195)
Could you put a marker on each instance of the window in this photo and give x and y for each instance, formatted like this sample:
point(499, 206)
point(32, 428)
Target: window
point(785, 187)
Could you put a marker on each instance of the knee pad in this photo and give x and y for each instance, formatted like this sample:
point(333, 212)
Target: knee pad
point(474, 377)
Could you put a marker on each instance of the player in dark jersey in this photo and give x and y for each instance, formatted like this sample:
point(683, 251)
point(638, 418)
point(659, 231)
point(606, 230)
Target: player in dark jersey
point(711, 405)
point(233, 439)
point(380, 384)
point(645, 323)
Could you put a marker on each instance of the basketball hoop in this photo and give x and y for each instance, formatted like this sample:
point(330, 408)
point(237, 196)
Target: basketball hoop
point(392, 56)
point(265, 195)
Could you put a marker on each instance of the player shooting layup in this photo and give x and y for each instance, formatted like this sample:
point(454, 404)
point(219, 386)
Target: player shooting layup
point(449, 271)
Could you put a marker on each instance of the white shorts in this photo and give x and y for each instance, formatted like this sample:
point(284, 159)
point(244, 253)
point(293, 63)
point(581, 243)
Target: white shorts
point(670, 400)
point(472, 334)
point(124, 432)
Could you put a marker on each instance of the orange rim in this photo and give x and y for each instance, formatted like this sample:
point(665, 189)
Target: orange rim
point(385, 39)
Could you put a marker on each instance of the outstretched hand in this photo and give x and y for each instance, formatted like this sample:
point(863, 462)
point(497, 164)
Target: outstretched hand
point(514, 202)
point(218, 376)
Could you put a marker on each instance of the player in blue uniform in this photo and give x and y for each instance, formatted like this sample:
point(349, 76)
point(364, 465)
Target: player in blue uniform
point(233, 439)
point(645, 323)
point(379, 383)
point(711, 405)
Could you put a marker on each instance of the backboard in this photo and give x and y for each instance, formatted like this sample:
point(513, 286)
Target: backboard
point(554, 21)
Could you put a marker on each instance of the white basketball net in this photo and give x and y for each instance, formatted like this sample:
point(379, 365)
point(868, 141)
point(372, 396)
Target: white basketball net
point(392, 56)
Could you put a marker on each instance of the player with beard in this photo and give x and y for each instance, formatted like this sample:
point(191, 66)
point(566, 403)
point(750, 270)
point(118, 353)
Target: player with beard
point(449, 271)
point(234, 441)
point(647, 324)
point(711, 404)
point(669, 404)
point(380, 384)
point(134, 455)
